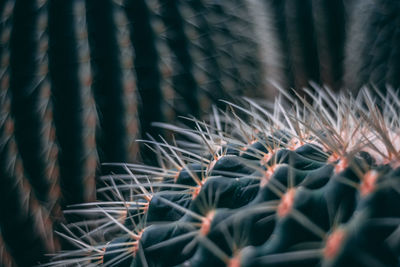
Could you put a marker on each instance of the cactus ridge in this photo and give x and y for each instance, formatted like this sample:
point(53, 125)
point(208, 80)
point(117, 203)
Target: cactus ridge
point(296, 185)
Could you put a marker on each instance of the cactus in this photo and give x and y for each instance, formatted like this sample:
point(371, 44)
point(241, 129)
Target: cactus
point(372, 53)
point(82, 80)
point(299, 185)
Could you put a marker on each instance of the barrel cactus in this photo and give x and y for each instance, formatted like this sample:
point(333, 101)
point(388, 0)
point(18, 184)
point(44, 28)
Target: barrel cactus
point(292, 185)
point(82, 80)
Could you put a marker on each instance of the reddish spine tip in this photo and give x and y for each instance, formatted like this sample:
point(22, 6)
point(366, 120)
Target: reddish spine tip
point(286, 204)
point(368, 183)
point(333, 244)
point(206, 223)
point(234, 262)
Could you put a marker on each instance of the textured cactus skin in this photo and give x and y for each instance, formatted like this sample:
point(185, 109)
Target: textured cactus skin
point(296, 187)
point(376, 45)
point(81, 80)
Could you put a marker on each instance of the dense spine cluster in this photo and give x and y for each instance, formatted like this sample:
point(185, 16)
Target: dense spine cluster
point(295, 185)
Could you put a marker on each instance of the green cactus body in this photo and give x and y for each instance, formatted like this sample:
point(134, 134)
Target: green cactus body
point(304, 185)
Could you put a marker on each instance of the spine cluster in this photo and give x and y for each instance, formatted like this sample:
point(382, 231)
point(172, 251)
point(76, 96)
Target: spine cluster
point(297, 184)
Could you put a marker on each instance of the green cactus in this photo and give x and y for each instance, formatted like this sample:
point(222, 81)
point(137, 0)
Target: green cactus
point(299, 185)
point(372, 54)
point(82, 80)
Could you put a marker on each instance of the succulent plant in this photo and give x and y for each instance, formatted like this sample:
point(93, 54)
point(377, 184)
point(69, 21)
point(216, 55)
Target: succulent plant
point(82, 80)
point(295, 185)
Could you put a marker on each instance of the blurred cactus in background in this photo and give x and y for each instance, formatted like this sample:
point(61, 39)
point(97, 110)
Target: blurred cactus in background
point(82, 80)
